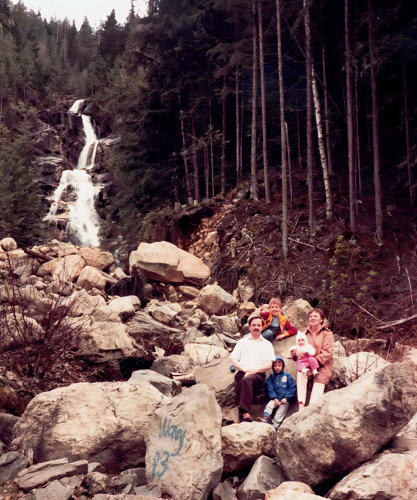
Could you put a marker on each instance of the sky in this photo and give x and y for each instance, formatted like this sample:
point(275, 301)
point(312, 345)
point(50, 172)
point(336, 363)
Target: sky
point(75, 10)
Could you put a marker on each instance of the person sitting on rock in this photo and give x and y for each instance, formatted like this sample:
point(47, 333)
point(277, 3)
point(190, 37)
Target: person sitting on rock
point(307, 359)
point(281, 389)
point(321, 338)
point(274, 324)
point(252, 357)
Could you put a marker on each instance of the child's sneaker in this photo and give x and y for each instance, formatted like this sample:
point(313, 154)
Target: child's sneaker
point(232, 368)
point(304, 370)
point(265, 420)
point(315, 372)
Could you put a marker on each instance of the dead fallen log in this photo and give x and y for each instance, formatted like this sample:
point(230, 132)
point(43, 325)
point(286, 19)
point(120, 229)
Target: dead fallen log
point(396, 322)
point(37, 255)
point(186, 379)
point(308, 245)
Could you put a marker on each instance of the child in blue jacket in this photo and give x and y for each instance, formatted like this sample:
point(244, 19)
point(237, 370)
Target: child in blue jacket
point(281, 389)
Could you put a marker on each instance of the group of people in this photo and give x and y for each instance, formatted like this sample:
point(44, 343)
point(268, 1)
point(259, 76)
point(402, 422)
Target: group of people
point(254, 355)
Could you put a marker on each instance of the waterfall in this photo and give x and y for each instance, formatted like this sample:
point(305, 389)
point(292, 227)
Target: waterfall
point(76, 193)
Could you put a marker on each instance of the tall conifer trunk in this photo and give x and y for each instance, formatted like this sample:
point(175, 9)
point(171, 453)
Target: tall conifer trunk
point(184, 154)
point(375, 129)
point(309, 119)
point(195, 160)
point(284, 166)
point(238, 128)
point(349, 124)
point(407, 139)
point(223, 153)
point(254, 183)
point(263, 101)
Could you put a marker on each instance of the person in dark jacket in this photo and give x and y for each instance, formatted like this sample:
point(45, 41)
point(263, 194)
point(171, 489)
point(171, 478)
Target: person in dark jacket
point(281, 389)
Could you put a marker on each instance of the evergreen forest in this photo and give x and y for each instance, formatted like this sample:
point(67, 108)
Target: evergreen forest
point(310, 102)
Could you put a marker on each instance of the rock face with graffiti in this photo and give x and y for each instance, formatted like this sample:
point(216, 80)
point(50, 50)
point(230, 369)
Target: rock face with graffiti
point(183, 446)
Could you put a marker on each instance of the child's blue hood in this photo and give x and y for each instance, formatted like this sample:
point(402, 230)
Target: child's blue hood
point(278, 358)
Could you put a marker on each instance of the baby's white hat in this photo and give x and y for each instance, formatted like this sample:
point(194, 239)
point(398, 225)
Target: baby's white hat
point(300, 335)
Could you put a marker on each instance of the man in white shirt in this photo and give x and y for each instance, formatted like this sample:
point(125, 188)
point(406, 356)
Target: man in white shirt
point(252, 357)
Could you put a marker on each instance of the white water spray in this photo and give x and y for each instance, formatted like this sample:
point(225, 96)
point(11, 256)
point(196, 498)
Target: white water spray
point(83, 220)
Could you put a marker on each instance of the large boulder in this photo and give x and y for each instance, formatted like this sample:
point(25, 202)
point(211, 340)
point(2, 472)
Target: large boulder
point(176, 363)
point(11, 464)
point(183, 445)
point(282, 349)
point(391, 475)
point(218, 376)
point(7, 422)
point(102, 341)
point(297, 313)
point(124, 307)
point(68, 268)
point(202, 354)
point(167, 386)
point(104, 422)
point(95, 257)
point(91, 277)
point(227, 324)
point(291, 490)
point(347, 426)
point(214, 300)
point(18, 330)
point(165, 262)
point(263, 476)
point(346, 370)
point(81, 303)
point(243, 443)
point(143, 327)
point(8, 244)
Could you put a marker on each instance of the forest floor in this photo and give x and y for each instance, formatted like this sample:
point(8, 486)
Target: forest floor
point(361, 285)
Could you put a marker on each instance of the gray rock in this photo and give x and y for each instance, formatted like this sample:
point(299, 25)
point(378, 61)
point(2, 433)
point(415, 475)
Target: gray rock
point(346, 370)
point(143, 326)
point(214, 300)
point(96, 482)
point(39, 474)
point(54, 491)
point(291, 490)
point(114, 417)
point(131, 477)
point(297, 313)
point(11, 464)
point(243, 443)
point(147, 492)
point(167, 386)
point(7, 422)
point(227, 324)
point(122, 496)
point(224, 491)
point(183, 445)
point(347, 426)
point(263, 476)
point(218, 376)
point(391, 475)
point(176, 363)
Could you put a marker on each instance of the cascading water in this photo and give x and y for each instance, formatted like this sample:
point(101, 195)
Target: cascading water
point(83, 220)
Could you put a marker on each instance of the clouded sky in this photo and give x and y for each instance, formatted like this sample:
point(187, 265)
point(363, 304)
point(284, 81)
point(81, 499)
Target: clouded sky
point(75, 10)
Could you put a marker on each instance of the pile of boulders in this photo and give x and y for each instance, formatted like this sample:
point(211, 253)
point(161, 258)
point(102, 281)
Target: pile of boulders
point(171, 431)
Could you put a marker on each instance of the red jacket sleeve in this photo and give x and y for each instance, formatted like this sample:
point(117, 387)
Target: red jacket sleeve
point(289, 329)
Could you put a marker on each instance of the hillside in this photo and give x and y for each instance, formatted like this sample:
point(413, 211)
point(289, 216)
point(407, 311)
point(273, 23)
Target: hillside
point(362, 285)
